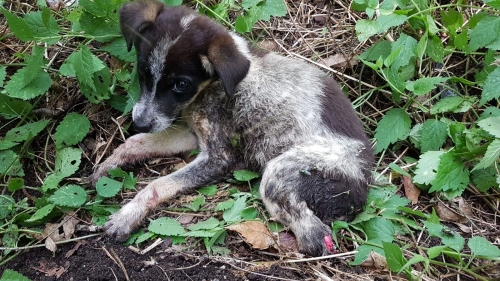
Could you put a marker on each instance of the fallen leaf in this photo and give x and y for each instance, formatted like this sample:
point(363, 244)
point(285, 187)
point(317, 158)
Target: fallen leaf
point(411, 191)
point(69, 225)
point(377, 261)
point(464, 207)
point(447, 213)
point(53, 270)
point(179, 166)
point(73, 250)
point(337, 60)
point(50, 245)
point(268, 45)
point(255, 233)
point(185, 219)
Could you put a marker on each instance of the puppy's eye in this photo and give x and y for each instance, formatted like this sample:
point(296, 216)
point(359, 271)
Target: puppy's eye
point(180, 86)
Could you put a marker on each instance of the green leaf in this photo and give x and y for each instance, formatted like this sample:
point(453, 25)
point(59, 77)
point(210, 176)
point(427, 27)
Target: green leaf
point(398, 169)
point(394, 256)
point(448, 104)
point(104, 29)
point(43, 26)
point(26, 131)
point(390, 20)
point(197, 203)
point(9, 163)
point(102, 83)
point(68, 160)
point(13, 108)
point(210, 190)
point(271, 8)
point(407, 45)
point(452, 175)
point(209, 224)
point(226, 205)
point(491, 86)
point(245, 175)
point(16, 87)
point(234, 213)
point(435, 251)
point(394, 126)
point(366, 29)
point(491, 125)
point(454, 241)
point(71, 130)
point(249, 213)
point(484, 179)
point(381, 49)
point(491, 156)
point(33, 65)
point(84, 67)
point(414, 260)
point(364, 251)
point(118, 48)
point(424, 85)
point(433, 135)
point(433, 29)
point(69, 196)
point(12, 275)
point(172, 2)
point(15, 184)
point(485, 32)
point(18, 26)
point(41, 213)
point(7, 204)
point(166, 226)
point(241, 25)
point(482, 247)
point(427, 167)
point(3, 74)
point(107, 187)
point(379, 229)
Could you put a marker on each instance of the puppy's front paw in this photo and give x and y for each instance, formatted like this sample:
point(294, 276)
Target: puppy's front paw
point(122, 223)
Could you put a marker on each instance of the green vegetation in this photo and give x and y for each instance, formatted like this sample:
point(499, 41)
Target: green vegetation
point(450, 121)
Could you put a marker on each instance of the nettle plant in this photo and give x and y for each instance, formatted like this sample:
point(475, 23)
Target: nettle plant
point(451, 121)
point(75, 44)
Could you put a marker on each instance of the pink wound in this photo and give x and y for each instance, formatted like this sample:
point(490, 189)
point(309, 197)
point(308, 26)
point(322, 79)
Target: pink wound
point(329, 244)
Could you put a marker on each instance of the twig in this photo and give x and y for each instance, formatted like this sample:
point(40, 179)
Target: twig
point(43, 245)
point(120, 263)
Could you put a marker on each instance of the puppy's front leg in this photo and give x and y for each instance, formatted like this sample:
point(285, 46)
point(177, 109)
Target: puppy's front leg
point(202, 171)
point(174, 140)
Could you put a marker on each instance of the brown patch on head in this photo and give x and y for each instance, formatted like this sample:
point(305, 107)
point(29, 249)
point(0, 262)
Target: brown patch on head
point(229, 63)
point(135, 17)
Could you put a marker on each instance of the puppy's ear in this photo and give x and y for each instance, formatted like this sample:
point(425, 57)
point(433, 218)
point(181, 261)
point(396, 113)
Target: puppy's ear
point(229, 63)
point(135, 17)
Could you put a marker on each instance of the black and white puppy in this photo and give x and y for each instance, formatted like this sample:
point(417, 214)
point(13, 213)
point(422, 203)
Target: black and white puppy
point(204, 87)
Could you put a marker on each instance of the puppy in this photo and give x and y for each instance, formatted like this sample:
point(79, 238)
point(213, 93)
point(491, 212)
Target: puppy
point(204, 87)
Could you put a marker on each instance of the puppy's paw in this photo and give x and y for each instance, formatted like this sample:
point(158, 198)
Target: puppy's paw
point(122, 223)
point(317, 241)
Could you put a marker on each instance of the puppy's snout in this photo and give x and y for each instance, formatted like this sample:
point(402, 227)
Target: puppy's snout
point(143, 126)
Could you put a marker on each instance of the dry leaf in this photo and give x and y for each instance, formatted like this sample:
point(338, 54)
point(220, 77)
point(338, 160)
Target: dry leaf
point(185, 219)
point(337, 60)
point(69, 225)
point(50, 245)
point(73, 250)
point(450, 214)
point(52, 270)
point(376, 261)
point(255, 233)
point(268, 45)
point(180, 165)
point(412, 192)
point(465, 207)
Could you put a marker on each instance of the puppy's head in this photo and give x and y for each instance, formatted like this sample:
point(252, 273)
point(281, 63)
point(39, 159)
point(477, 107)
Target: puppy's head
point(178, 53)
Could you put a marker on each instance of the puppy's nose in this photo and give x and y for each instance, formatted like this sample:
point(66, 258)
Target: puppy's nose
point(142, 127)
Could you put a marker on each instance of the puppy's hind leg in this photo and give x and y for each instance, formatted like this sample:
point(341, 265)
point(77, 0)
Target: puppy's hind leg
point(307, 192)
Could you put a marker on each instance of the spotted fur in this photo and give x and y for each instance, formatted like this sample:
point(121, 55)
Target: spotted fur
point(203, 87)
